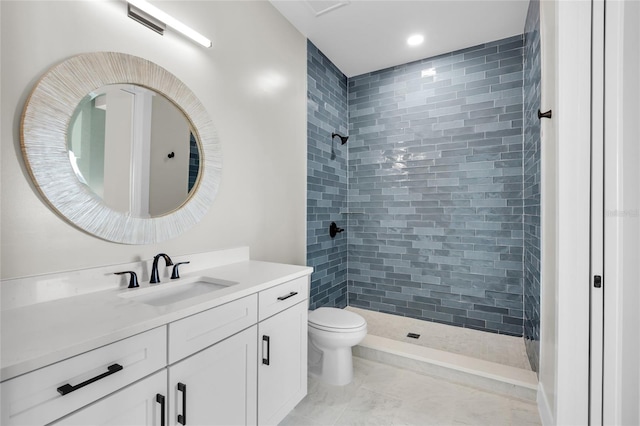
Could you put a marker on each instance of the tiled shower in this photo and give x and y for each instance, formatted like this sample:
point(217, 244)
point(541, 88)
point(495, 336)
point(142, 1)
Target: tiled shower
point(435, 187)
point(436, 190)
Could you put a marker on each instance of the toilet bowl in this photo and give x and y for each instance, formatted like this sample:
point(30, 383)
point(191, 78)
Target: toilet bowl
point(332, 334)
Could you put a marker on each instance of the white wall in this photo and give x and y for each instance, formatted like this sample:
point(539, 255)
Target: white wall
point(253, 84)
point(564, 356)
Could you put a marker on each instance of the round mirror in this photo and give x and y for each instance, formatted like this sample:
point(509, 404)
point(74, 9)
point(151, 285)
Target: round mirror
point(121, 148)
point(135, 150)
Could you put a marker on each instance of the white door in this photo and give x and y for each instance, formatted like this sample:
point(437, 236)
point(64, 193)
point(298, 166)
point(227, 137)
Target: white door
point(216, 386)
point(621, 382)
point(282, 363)
point(141, 404)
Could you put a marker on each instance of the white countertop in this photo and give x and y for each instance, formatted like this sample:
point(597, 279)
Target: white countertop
point(37, 335)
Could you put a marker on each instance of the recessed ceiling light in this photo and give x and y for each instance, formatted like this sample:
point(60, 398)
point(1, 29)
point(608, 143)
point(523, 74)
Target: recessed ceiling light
point(430, 72)
point(415, 40)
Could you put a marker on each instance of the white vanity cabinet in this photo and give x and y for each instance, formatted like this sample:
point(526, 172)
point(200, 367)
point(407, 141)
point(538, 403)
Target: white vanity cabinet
point(241, 362)
point(282, 361)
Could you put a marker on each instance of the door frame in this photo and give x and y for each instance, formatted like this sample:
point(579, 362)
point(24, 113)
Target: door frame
point(596, 292)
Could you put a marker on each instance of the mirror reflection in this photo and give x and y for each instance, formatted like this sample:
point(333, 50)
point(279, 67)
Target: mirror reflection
point(135, 150)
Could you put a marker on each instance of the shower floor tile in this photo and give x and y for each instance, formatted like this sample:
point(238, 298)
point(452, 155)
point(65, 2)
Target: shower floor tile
point(498, 348)
point(381, 394)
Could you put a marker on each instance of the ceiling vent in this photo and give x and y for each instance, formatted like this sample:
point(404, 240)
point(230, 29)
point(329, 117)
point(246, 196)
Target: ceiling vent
point(320, 7)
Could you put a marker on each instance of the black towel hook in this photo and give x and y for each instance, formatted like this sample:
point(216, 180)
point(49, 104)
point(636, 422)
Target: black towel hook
point(544, 114)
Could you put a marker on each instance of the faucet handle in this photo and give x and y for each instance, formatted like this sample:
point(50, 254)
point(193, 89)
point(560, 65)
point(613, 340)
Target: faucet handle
point(175, 274)
point(334, 230)
point(133, 281)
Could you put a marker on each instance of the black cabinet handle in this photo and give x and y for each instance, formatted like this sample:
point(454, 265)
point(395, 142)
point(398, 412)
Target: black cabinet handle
point(265, 361)
point(182, 418)
point(160, 400)
point(67, 388)
point(293, 293)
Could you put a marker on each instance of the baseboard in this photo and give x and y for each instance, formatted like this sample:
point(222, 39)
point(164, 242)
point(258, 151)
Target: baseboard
point(546, 415)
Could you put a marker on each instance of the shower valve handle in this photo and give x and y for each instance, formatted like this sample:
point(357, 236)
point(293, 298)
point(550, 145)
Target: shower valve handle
point(334, 230)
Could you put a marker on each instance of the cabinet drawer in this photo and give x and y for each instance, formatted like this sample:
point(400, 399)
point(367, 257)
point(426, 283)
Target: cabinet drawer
point(199, 331)
point(282, 296)
point(137, 404)
point(35, 398)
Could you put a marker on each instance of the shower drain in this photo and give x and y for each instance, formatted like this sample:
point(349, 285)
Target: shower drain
point(413, 335)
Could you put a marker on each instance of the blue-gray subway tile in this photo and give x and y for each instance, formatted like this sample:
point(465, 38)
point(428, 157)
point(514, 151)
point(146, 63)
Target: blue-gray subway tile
point(507, 66)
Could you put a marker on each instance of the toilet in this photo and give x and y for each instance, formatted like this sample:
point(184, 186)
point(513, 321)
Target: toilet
point(332, 334)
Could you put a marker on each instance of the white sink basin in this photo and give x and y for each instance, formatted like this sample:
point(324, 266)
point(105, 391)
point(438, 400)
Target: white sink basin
point(176, 291)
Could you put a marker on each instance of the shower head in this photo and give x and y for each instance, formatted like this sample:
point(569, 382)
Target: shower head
point(344, 139)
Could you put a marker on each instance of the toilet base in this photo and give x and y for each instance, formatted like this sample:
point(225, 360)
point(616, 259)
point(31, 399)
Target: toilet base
point(333, 367)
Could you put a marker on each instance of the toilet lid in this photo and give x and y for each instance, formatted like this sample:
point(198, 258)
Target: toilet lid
point(335, 318)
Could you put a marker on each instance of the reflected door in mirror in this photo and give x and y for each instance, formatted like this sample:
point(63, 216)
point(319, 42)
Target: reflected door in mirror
point(135, 150)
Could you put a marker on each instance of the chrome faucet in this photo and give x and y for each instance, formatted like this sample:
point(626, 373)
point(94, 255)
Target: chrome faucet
point(155, 278)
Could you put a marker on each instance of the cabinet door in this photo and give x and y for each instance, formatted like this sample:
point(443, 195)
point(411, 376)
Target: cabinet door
point(140, 404)
point(282, 363)
point(216, 386)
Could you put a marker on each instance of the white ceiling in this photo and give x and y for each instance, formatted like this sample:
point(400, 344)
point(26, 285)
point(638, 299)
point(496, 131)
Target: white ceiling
point(360, 36)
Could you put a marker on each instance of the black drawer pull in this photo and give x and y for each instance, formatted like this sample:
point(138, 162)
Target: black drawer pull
point(65, 389)
point(293, 293)
point(182, 418)
point(265, 361)
point(160, 400)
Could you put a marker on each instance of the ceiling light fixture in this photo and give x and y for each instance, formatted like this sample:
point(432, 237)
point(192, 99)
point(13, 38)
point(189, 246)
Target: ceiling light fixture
point(415, 40)
point(152, 17)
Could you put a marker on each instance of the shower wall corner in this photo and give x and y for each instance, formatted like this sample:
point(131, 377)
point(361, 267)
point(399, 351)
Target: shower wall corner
point(326, 180)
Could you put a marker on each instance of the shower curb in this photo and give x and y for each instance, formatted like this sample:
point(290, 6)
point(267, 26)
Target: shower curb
point(486, 375)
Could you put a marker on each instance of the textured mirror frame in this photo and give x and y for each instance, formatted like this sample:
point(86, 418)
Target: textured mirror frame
point(43, 133)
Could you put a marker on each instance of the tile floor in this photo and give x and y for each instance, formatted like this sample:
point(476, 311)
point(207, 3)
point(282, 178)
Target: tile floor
point(384, 395)
point(498, 348)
